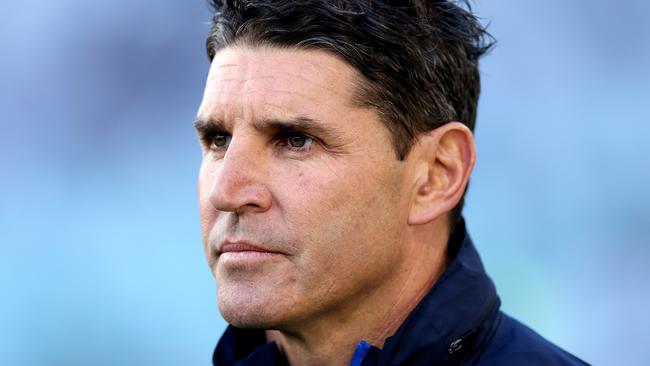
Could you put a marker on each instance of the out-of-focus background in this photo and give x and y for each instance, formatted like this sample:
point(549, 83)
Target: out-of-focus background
point(100, 254)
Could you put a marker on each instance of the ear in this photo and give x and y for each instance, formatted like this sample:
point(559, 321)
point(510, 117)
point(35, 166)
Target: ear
point(445, 158)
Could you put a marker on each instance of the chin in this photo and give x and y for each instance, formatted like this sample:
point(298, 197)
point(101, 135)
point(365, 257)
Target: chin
point(254, 311)
point(245, 321)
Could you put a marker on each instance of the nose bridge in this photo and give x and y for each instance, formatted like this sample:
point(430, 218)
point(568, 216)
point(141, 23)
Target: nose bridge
point(240, 183)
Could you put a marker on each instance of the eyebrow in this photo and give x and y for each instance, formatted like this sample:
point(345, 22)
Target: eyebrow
point(207, 126)
point(297, 124)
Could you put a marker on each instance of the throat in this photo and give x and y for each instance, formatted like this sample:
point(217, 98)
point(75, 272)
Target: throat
point(299, 351)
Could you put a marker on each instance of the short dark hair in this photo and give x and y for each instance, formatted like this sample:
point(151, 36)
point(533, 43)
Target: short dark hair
point(419, 57)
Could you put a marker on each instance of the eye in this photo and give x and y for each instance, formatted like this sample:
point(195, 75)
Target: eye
point(297, 141)
point(219, 141)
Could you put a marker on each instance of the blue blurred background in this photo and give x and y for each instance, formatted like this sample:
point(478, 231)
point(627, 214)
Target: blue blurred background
point(101, 261)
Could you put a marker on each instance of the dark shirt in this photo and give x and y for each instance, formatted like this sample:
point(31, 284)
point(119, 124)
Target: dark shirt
point(457, 323)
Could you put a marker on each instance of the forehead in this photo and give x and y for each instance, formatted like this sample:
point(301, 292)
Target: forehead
point(244, 81)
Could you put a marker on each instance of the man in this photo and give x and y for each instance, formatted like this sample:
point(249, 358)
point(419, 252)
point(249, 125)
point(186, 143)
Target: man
point(337, 146)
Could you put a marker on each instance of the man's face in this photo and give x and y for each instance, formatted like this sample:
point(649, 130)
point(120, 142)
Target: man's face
point(303, 202)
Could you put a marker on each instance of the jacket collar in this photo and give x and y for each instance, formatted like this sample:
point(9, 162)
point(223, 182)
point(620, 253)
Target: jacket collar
point(454, 321)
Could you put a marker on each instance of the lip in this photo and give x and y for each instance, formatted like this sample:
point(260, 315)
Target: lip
point(238, 253)
point(241, 247)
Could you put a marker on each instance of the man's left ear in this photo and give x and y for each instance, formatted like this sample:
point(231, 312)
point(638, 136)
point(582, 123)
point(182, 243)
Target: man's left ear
point(445, 158)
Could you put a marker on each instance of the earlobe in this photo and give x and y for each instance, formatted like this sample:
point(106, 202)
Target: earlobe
point(446, 157)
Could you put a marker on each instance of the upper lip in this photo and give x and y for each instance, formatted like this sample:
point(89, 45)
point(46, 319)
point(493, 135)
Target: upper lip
point(241, 246)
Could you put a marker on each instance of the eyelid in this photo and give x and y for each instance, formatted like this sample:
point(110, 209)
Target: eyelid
point(207, 139)
point(282, 136)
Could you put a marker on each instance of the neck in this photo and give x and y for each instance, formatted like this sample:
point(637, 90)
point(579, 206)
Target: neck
point(332, 339)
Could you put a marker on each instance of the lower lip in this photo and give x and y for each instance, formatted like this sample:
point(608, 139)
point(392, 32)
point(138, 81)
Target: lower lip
point(246, 257)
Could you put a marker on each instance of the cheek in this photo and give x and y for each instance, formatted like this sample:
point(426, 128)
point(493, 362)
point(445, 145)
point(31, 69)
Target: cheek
point(207, 212)
point(343, 218)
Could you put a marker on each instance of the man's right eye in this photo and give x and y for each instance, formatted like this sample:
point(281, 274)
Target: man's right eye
point(219, 141)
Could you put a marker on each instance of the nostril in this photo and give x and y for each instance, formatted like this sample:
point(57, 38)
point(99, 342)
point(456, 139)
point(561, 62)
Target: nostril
point(243, 209)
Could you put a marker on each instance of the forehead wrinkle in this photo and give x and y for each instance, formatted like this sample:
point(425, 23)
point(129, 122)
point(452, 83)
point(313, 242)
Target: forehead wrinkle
point(227, 65)
point(324, 85)
point(220, 102)
point(235, 79)
point(285, 109)
point(267, 101)
point(251, 74)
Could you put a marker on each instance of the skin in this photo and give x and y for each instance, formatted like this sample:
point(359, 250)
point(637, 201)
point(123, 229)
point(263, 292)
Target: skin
point(352, 238)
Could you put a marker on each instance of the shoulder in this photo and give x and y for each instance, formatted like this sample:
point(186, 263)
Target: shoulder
point(515, 344)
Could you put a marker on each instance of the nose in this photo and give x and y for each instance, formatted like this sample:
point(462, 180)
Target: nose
point(240, 185)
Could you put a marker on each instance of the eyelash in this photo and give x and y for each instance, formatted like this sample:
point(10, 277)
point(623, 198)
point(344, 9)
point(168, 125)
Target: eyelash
point(281, 138)
point(209, 140)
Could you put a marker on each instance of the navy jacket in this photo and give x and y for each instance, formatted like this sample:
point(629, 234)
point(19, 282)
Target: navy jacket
point(457, 323)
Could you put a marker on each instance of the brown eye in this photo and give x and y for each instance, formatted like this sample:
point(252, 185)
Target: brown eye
point(298, 140)
point(220, 141)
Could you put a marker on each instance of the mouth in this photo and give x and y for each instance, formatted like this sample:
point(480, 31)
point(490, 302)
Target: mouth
point(236, 254)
